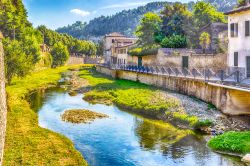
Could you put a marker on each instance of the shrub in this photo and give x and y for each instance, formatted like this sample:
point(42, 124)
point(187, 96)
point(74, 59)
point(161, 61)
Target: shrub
point(233, 142)
point(174, 41)
point(143, 51)
point(204, 123)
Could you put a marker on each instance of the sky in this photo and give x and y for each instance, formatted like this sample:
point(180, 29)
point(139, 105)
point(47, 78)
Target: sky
point(59, 13)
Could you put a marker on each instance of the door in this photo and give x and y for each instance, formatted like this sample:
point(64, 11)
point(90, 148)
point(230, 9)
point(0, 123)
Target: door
point(139, 61)
point(185, 61)
point(248, 66)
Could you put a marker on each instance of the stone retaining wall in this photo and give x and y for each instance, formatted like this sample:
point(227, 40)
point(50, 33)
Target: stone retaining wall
point(3, 107)
point(228, 100)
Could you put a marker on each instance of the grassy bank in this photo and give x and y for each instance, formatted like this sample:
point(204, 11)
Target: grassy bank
point(232, 142)
point(26, 142)
point(136, 97)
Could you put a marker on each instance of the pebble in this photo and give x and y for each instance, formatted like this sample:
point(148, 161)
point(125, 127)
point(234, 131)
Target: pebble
point(246, 158)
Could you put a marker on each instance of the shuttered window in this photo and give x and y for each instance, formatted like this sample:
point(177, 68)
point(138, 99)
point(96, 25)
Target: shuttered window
point(247, 28)
point(234, 29)
point(236, 59)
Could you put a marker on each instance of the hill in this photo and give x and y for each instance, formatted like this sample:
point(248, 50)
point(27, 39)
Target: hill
point(223, 5)
point(126, 21)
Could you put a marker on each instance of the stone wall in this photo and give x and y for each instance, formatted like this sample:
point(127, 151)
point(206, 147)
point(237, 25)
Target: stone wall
point(173, 58)
point(3, 107)
point(228, 100)
point(75, 60)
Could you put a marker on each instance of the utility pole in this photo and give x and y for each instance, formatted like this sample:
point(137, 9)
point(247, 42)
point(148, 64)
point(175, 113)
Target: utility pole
point(3, 105)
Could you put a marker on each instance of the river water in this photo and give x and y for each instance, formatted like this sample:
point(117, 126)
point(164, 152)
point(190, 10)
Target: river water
point(123, 139)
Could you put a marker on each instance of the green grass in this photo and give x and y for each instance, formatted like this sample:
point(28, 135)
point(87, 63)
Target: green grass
point(26, 142)
point(231, 142)
point(127, 94)
point(133, 96)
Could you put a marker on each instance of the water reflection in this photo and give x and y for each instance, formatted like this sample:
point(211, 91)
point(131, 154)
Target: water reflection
point(124, 139)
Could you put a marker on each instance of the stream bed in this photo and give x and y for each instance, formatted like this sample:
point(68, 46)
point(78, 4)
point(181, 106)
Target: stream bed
point(124, 139)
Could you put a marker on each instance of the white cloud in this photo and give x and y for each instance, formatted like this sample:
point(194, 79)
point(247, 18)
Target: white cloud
point(80, 12)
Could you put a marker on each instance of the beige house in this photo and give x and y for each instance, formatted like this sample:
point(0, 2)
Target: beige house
point(116, 47)
point(239, 37)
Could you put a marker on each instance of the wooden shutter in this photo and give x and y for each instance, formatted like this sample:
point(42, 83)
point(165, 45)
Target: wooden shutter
point(232, 30)
point(236, 59)
point(236, 29)
point(247, 28)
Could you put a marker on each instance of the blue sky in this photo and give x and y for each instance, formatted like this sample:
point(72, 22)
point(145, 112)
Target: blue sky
point(58, 13)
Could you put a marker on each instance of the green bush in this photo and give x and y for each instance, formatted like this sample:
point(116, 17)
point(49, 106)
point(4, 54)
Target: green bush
point(174, 41)
point(144, 51)
point(204, 123)
point(233, 142)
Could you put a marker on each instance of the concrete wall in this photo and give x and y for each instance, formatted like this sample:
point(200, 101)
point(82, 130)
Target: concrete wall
point(229, 101)
point(3, 107)
point(240, 44)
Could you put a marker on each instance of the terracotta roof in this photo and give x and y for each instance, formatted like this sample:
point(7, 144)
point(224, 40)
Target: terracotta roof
point(237, 10)
point(115, 34)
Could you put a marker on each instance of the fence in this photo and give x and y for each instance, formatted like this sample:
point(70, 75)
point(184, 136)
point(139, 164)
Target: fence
point(220, 75)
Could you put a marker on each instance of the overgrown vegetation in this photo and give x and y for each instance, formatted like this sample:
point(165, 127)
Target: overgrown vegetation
point(136, 97)
point(26, 142)
point(81, 116)
point(232, 142)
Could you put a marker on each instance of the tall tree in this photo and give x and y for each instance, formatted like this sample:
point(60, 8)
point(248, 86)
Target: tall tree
point(175, 17)
point(60, 54)
point(205, 13)
point(149, 25)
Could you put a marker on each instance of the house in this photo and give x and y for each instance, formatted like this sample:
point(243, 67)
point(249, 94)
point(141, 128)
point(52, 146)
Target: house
point(239, 37)
point(116, 47)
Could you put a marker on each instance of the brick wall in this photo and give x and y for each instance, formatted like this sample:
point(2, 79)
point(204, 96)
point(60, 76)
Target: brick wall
point(3, 107)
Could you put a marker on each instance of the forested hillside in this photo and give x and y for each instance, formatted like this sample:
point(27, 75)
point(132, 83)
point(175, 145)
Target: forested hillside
point(124, 22)
point(223, 5)
point(127, 20)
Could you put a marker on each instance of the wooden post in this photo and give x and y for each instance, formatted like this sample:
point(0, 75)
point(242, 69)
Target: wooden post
point(3, 106)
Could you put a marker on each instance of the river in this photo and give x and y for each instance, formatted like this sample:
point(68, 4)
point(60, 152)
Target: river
point(123, 139)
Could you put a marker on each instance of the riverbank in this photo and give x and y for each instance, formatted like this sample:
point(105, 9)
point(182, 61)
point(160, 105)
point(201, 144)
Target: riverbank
point(26, 142)
point(180, 110)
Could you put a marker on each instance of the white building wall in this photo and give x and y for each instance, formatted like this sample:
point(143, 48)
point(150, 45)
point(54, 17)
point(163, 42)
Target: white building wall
point(240, 44)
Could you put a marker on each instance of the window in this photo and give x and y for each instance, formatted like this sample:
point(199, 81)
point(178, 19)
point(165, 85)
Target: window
point(236, 59)
point(234, 29)
point(247, 28)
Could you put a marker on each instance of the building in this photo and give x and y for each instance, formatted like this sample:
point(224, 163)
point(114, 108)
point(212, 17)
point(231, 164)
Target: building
point(116, 47)
point(239, 37)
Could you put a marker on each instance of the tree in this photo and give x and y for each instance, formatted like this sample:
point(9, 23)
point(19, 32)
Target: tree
point(241, 3)
point(60, 54)
point(17, 63)
point(205, 41)
point(149, 25)
point(205, 13)
point(174, 18)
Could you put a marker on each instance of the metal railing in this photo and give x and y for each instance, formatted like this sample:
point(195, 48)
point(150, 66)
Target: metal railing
point(220, 75)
